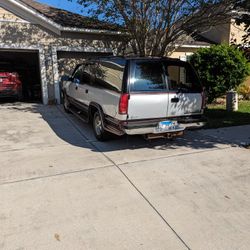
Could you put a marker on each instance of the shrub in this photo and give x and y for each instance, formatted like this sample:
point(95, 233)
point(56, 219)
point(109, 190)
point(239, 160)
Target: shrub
point(244, 90)
point(220, 68)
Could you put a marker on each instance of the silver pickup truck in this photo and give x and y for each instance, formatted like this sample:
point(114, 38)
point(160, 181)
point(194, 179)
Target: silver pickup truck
point(147, 96)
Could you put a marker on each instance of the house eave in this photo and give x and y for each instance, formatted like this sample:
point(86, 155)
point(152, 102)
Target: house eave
point(24, 12)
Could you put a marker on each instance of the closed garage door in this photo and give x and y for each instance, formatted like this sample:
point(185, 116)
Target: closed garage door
point(26, 65)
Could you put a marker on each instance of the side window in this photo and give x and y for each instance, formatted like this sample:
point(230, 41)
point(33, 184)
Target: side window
point(86, 75)
point(82, 75)
point(78, 75)
point(108, 75)
point(182, 78)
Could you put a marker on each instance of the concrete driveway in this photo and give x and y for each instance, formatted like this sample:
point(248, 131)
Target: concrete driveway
point(61, 189)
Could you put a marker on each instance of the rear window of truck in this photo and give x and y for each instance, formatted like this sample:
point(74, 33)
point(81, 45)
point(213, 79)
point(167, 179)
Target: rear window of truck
point(148, 77)
point(160, 76)
point(182, 77)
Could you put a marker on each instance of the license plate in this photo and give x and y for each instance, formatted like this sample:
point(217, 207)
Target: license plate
point(166, 126)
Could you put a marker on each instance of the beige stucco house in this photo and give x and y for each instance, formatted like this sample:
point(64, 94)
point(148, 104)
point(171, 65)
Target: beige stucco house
point(226, 33)
point(44, 43)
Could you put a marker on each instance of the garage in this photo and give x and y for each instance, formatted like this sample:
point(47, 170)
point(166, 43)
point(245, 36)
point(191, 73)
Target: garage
point(26, 65)
point(42, 44)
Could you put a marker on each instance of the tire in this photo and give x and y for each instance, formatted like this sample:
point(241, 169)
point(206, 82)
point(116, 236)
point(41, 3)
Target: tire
point(66, 103)
point(100, 133)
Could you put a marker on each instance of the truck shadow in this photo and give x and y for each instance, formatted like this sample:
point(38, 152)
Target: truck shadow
point(74, 132)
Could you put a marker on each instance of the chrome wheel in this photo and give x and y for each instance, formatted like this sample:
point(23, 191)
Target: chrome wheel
point(98, 125)
point(66, 104)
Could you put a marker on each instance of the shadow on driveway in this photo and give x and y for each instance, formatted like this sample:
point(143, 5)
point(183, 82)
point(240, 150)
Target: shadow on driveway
point(73, 131)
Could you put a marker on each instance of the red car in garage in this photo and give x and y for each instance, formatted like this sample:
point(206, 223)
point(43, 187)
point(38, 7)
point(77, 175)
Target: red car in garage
point(10, 85)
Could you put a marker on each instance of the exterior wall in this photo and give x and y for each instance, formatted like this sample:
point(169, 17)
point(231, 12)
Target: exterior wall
point(16, 33)
point(6, 15)
point(67, 61)
point(236, 33)
point(182, 53)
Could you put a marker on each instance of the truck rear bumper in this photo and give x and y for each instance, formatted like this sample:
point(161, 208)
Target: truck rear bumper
point(149, 126)
point(151, 130)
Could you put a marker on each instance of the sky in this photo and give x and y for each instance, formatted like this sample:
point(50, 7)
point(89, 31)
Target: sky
point(64, 4)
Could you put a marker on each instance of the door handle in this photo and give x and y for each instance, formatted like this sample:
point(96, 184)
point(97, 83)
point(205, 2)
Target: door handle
point(86, 91)
point(76, 86)
point(175, 100)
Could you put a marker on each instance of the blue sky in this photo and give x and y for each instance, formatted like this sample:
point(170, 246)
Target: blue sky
point(64, 4)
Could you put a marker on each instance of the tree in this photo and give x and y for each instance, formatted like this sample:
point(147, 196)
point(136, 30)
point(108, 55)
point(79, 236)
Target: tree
point(156, 27)
point(243, 10)
point(220, 68)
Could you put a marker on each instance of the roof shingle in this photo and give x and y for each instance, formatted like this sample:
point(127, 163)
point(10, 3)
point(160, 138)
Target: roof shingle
point(68, 19)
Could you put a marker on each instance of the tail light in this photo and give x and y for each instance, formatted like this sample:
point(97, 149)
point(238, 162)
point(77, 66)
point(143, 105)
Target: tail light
point(123, 105)
point(12, 78)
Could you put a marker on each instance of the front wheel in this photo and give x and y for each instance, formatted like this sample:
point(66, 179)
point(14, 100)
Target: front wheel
point(66, 103)
point(100, 133)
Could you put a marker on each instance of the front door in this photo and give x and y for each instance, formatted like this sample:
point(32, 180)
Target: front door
point(79, 86)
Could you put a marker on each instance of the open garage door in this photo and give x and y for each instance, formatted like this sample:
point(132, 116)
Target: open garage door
point(26, 66)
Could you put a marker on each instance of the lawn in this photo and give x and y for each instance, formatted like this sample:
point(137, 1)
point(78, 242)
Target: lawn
point(217, 116)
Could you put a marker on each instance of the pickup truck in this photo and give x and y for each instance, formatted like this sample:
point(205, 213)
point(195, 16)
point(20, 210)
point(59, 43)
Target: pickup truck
point(146, 96)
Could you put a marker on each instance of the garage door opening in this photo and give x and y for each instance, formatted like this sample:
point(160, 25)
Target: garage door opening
point(26, 65)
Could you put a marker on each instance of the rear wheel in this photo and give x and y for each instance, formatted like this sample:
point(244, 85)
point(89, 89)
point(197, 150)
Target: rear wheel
point(100, 133)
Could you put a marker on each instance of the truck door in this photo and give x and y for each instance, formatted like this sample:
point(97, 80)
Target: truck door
point(185, 90)
point(148, 90)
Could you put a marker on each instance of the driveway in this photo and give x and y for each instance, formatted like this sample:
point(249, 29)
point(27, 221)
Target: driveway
point(61, 189)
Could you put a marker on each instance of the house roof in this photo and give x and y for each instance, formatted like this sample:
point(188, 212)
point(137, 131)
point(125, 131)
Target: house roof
point(198, 40)
point(69, 19)
point(194, 40)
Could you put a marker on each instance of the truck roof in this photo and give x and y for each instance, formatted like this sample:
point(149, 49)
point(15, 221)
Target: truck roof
point(122, 60)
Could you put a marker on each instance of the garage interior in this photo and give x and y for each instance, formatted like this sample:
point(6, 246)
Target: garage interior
point(26, 64)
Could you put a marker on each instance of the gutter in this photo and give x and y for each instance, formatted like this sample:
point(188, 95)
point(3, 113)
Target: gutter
point(191, 46)
point(92, 31)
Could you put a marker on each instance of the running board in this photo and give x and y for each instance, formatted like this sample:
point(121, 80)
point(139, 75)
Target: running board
point(79, 114)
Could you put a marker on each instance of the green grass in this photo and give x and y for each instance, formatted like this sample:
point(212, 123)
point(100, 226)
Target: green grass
point(217, 116)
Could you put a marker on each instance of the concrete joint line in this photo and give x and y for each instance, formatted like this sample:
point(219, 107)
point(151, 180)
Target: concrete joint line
point(172, 156)
point(30, 147)
point(54, 175)
point(127, 178)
